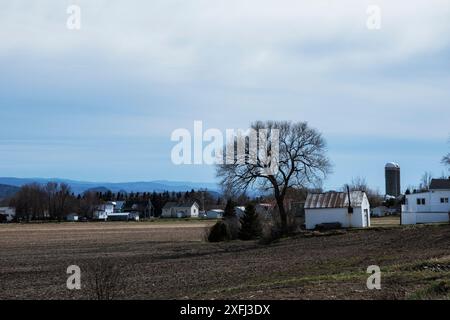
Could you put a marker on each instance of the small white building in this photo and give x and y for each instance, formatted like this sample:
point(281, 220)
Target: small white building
point(380, 211)
point(430, 206)
point(239, 211)
point(72, 217)
point(215, 214)
point(180, 210)
point(337, 207)
point(8, 212)
point(123, 216)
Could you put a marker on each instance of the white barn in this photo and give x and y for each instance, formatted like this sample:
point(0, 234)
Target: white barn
point(337, 207)
point(180, 210)
point(430, 206)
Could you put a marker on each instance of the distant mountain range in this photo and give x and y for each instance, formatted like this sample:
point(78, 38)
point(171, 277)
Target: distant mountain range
point(9, 185)
point(7, 191)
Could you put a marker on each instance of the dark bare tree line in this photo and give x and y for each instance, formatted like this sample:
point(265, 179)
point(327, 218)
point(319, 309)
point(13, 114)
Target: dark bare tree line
point(36, 202)
point(54, 201)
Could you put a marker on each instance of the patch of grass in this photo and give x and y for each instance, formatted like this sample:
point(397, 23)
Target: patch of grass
point(268, 283)
point(436, 290)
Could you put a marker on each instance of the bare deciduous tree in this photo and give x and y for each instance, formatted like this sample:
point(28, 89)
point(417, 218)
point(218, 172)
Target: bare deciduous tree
point(360, 184)
point(302, 162)
point(446, 160)
point(34, 201)
point(425, 181)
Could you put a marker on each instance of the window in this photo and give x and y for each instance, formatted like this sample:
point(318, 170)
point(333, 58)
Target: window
point(421, 201)
point(444, 200)
point(418, 201)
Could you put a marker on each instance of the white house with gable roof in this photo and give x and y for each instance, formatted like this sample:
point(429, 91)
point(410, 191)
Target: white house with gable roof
point(429, 206)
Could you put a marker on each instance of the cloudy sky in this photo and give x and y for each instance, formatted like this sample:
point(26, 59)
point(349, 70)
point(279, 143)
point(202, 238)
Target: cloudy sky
point(100, 103)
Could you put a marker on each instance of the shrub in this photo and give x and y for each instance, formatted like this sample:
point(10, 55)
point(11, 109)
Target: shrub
point(105, 280)
point(234, 225)
point(219, 232)
point(272, 229)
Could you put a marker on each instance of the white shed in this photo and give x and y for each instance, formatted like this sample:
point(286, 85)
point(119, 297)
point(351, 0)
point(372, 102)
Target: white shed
point(72, 217)
point(215, 214)
point(380, 211)
point(337, 207)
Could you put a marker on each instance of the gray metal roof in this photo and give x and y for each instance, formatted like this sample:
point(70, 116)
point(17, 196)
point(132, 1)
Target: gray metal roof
point(437, 184)
point(170, 205)
point(333, 200)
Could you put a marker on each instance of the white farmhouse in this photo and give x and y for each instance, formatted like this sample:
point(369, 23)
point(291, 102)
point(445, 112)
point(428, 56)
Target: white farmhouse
point(430, 206)
point(102, 211)
point(8, 212)
point(180, 210)
point(337, 207)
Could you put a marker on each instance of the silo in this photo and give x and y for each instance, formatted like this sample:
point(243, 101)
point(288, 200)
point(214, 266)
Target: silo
point(392, 176)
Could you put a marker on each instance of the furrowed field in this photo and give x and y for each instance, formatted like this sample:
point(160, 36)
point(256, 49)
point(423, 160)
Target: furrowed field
point(171, 260)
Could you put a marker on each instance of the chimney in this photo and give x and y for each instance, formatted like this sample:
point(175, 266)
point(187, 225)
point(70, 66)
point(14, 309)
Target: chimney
point(350, 208)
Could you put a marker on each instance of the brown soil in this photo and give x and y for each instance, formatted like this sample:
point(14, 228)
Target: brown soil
point(171, 261)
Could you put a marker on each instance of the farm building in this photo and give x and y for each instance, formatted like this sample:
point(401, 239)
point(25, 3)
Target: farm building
point(239, 211)
point(72, 217)
point(144, 209)
point(180, 210)
point(102, 211)
point(382, 211)
point(8, 213)
point(123, 216)
point(215, 214)
point(430, 206)
point(350, 210)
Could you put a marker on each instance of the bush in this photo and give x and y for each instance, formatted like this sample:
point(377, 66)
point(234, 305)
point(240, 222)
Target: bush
point(105, 280)
point(250, 224)
point(234, 225)
point(272, 230)
point(219, 232)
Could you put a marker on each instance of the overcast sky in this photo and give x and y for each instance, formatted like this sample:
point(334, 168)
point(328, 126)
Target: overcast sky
point(100, 103)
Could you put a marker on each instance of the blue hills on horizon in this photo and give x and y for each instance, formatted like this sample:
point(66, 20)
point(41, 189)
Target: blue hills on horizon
point(79, 187)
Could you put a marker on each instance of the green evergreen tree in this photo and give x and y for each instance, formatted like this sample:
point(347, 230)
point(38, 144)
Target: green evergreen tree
point(250, 224)
point(229, 209)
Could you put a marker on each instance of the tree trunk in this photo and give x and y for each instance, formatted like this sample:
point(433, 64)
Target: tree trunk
point(283, 215)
